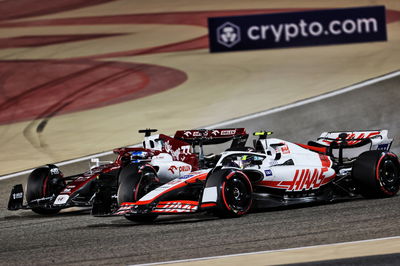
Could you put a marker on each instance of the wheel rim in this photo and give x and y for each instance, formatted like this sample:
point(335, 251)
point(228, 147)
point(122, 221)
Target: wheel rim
point(389, 175)
point(237, 195)
point(52, 186)
point(144, 186)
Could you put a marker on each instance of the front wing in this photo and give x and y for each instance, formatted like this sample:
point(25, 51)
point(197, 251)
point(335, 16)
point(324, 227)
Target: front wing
point(163, 207)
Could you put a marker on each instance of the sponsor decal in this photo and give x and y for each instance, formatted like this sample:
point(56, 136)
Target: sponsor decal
point(304, 179)
point(268, 172)
point(61, 199)
point(383, 147)
point(18, 195)
point(215, 132)
point(228, 132)
point(186, 176)
point(228, 34)
point(172, 169)
point(199, 172)
point(320, 27)
point(176, 207)
point(54, 171)
point(192, 133)
point(285, 149)
point(360, 136)
point(184, 168)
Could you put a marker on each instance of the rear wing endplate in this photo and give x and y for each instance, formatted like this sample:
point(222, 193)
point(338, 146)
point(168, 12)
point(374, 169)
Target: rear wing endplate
point(378, 138)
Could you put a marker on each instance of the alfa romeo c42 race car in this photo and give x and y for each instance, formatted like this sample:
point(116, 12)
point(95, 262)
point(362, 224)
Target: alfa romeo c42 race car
point(48, 190)
point(339, 165)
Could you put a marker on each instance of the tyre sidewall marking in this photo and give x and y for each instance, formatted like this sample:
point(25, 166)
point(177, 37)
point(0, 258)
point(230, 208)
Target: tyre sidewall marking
point(377, 174)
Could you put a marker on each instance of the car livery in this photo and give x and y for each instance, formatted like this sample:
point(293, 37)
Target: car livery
point(48, 190)
point(275, 173)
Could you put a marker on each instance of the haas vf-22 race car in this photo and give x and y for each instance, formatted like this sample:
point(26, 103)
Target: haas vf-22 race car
point(275, 172)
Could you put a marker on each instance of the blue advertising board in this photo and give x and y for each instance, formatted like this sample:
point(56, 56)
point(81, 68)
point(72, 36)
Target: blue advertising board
point(321, 27)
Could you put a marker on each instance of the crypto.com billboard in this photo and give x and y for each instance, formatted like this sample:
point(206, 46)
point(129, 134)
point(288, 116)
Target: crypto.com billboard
point(334, 26)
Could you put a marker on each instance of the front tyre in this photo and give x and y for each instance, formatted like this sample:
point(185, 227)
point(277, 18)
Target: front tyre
point(378, 174)
point(41, 184)
point(234, 194)
point(136, 181)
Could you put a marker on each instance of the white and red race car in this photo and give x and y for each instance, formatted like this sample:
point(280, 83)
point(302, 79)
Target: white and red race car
point(339, 165)
point(106, 184)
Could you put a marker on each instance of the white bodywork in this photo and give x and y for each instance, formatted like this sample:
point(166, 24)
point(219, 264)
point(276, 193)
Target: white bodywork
point(167, 165)
point(282, 165)
point(178, 182)
point(288, 166)
point(169, 169)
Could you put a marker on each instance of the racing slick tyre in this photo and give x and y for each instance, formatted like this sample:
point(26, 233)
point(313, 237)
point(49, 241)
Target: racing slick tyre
point(134, 183)
point(234, 191)
point(377, 173)
point(42, 184)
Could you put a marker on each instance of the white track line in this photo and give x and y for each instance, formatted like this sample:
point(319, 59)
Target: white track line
point(58, 164)
point(244, 118)
point(267, 251)
point(77, 160)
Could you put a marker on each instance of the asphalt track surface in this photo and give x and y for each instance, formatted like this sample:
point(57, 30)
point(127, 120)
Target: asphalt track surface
point(76, 238)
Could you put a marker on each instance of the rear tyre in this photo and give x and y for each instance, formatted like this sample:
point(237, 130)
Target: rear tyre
point(42, 184)
point(234, 194)
point(377, 173)
point(134, 183)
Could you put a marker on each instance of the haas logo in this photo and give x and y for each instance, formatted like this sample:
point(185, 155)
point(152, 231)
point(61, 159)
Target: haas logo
point(358, 138)
point(228, 34)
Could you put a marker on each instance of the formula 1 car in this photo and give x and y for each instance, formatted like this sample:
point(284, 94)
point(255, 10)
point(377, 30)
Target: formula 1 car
point(161, 160)
point(339, 165)
point(48, 191)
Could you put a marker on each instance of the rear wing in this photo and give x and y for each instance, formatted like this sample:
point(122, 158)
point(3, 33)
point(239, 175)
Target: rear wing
point(213, 136)
point(377, 138)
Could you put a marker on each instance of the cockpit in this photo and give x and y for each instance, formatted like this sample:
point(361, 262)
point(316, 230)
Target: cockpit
point(242, 160)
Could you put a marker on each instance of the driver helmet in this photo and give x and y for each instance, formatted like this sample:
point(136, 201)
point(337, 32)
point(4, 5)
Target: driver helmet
point(139, 156)
point(245, 161)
